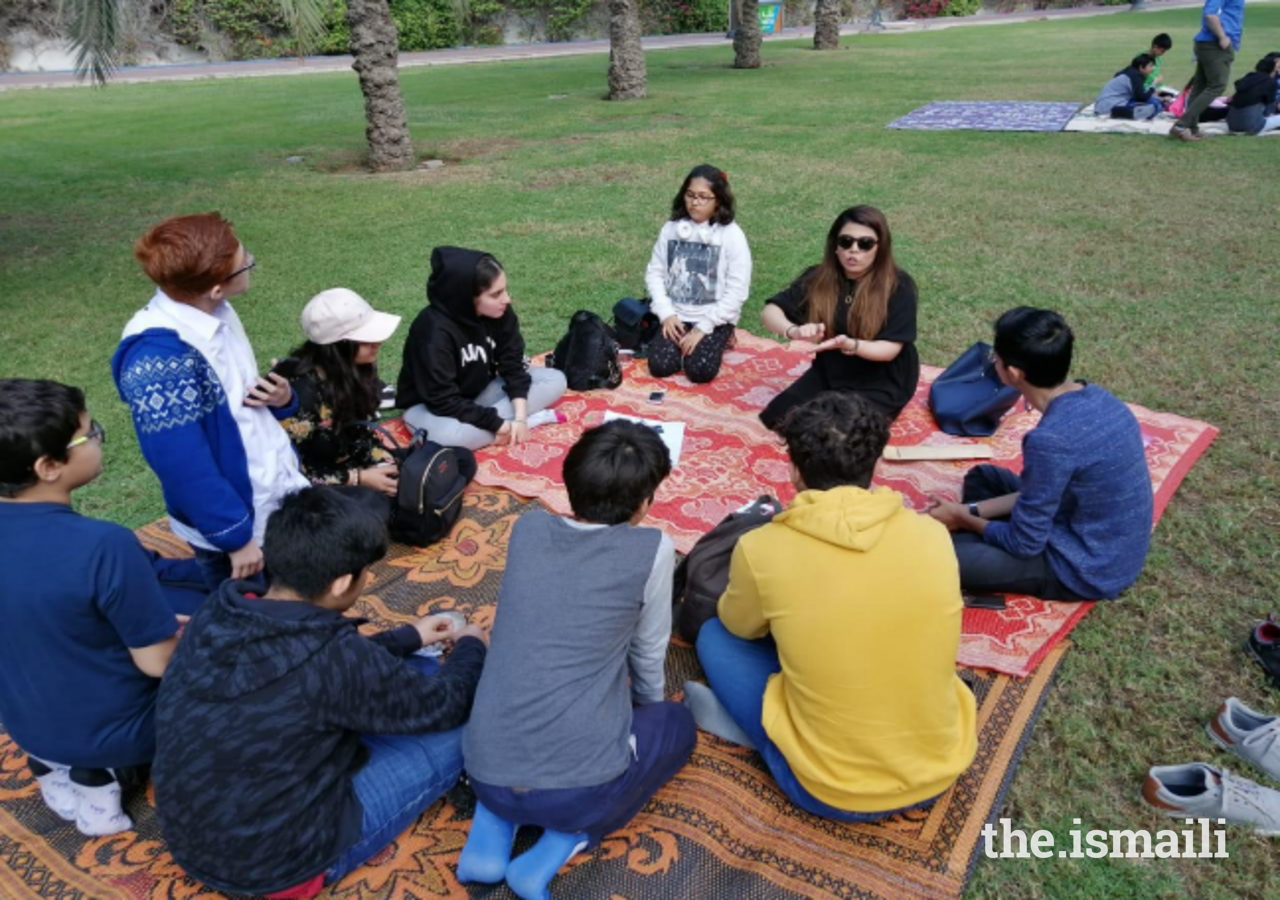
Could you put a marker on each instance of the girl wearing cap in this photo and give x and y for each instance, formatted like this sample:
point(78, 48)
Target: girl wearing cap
point(465, 378)
point(335, 378)
point(856, 312)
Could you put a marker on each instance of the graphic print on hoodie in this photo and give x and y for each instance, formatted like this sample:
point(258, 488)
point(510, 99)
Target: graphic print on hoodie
point(452, 352)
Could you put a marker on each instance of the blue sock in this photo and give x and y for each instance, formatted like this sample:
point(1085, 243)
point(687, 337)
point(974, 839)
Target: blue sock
point(488, 849)
point(531, 872)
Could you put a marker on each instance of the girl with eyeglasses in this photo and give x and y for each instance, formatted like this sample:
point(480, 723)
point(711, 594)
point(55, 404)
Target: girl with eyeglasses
point(698, 278)
point(856, 311)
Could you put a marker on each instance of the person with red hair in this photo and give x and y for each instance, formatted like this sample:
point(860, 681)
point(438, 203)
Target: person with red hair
point(206, 421)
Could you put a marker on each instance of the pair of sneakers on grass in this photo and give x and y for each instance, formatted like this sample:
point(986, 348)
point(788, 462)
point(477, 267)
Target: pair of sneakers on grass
point(1199, 790)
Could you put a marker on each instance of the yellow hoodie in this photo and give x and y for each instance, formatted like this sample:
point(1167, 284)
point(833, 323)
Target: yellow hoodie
point(862, 597)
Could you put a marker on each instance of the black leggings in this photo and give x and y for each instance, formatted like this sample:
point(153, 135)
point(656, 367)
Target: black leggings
point(805, 388)
point(702, 365)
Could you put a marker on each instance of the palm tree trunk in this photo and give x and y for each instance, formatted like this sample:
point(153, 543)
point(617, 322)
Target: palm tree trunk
point(826, 25)
point(746, 40)
point(373, 44)
point(627, 76)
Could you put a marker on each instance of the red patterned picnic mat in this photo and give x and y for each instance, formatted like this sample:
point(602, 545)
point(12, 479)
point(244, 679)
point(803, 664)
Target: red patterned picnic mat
point(720, 828)
point(729, 458)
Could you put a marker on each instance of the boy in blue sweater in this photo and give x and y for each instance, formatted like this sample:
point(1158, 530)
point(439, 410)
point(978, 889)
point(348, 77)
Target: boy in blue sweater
point(89, 629)
point(577, 742)
point(207, 424)
point(1077, 524)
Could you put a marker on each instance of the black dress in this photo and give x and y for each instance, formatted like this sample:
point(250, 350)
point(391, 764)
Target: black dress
point(888, 385)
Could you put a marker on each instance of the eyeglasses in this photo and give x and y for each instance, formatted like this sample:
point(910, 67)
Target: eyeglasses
point(848, 242)
point(96, 433)
point(691, 197)
point(249, 262)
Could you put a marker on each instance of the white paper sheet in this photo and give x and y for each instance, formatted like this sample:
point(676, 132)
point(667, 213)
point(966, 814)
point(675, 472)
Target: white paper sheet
point(672, 433)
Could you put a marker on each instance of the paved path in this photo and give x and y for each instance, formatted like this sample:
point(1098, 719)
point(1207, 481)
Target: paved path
point(462, 55)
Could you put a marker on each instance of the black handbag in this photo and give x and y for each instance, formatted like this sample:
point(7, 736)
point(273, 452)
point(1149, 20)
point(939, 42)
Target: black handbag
point(429, 494)
point(969, 398)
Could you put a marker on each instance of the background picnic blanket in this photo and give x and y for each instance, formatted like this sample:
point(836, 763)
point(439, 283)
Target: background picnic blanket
point(1087, 120)
point(729, 459)
point(721, 828)
point(987, 115)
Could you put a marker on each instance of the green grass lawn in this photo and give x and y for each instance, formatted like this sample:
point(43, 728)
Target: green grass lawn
point(1163, 256)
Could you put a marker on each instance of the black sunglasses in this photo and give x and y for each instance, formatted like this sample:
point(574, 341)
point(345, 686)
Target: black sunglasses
point(848, 241)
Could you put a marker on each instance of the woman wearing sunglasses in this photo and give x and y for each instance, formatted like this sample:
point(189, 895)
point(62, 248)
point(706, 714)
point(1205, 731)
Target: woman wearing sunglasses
point(856, 311)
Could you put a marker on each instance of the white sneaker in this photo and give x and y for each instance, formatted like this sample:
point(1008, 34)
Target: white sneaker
point(1201, 791)
point(1248, 734)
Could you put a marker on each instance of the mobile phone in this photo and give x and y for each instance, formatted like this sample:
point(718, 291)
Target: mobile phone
point(287, 367)
point(657, 396)
point(984, 601)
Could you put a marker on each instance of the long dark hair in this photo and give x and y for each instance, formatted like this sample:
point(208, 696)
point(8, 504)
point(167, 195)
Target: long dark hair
point(349, 389)
point(719, 182)
point(870, 305)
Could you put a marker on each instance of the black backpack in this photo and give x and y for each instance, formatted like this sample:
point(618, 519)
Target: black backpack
point(588, 354)
point(634, 324)
point(429, 496)
point(703, 575)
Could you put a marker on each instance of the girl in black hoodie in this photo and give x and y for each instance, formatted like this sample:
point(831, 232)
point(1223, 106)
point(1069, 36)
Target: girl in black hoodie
point(1253, 108)
point(464, 377)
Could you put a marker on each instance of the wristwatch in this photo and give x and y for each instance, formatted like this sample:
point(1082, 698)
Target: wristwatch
point(973, 510)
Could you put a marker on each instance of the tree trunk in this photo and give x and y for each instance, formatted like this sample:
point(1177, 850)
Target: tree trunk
point(826, 25)
point(746, 40)
point(374, 46)
point(627, 75)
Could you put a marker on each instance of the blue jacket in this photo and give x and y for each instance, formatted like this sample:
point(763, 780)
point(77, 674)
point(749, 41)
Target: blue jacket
point(188, 435)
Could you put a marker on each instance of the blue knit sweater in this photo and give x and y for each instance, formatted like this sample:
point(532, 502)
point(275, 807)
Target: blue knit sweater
point(188, 435)
point(1086, 497)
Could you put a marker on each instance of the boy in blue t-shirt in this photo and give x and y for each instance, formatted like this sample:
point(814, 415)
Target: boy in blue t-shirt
point(88, 628)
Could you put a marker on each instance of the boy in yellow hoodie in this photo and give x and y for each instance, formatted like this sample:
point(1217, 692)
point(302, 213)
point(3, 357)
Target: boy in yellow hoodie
point(834, 654)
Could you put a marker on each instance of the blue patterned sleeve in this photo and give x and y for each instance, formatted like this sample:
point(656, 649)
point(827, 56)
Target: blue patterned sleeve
point(175, 398)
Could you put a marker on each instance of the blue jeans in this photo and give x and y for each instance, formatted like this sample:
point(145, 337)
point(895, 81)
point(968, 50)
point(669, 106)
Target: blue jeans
point(216, 567)
point(405, 774)
point(738, 671)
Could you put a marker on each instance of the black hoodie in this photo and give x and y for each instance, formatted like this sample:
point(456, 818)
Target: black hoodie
point(1253, 89)
point(452, 353)
point(258, 733)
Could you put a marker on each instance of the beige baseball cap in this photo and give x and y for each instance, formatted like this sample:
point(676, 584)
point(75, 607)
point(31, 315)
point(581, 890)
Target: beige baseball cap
point(339, 314)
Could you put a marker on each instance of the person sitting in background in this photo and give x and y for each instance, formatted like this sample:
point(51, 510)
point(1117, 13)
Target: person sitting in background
point(89, 626)
point(336, 381)
point(1126, 97)
point(292, 748)
point(465, 378)
point(698, 276)
point(1160, 45)
point(1253, 107)
point(1076, 525)
point(207, 424)
point(577, 744)
point(834, 655)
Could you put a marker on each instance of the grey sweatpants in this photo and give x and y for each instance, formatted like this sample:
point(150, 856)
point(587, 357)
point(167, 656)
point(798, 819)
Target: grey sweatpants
point(547, 387)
